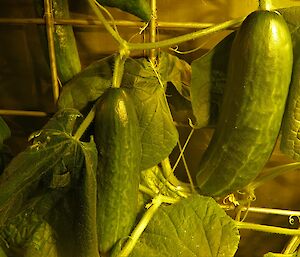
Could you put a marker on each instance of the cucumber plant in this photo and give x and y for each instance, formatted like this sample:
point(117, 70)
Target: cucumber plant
point(97, 179)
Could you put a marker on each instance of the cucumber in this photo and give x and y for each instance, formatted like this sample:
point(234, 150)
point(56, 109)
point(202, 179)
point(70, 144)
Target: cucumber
point(66, 52)
point(259, 74)
point(139, 8)
point(119, 149)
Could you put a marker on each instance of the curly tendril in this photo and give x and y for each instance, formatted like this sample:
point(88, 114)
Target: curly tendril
point(292, 219)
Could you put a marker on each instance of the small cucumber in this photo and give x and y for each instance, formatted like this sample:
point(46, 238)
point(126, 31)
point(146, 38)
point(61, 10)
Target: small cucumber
point(66, 52)
point(259, 74)
point(119, 149)
point(139, 8)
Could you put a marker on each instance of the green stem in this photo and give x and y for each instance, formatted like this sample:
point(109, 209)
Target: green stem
point(187, 37)
point(179, 190)
point(105, 23)
point(139, 229)
point(164, 198)
point(85, 124)
point(169, 175)
point(267, 229)
point(264, 4)
point(272, 173)
point(292, 245)
point(284, 254)
point(118, 69)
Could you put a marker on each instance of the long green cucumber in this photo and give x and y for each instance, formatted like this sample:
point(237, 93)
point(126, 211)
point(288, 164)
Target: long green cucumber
point(66, 52)
point(259, 74)
point(119, 149)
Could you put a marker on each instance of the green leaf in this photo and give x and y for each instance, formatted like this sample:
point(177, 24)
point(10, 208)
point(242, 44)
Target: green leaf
point(208, 80)
point(30, 235)
point(177, 71)
point(86, 192)
point(52, 146)
point(4, 131)
point(28, 232)
point(195, 226)
point(42, 243)
point(87, 85)
point(158, 132)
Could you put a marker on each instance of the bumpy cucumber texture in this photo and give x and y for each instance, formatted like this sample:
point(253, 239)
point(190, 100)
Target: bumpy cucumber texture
point(259, 74)
point(119, 146)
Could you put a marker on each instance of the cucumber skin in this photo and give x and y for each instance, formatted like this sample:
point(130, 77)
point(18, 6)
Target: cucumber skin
point(258, 80)
point(139, 8)
point(67, 56)
point(119, 149)
point(66, 52)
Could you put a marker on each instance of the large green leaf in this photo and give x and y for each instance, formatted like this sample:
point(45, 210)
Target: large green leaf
point(42, 243)
point(86, 192)
point(158, 132)
point(208, 80)
point(31, 230)
point(28, 232)
point(30, 235)
point(87, 85)
point(177, 71)
point(195, 226)
point(52, 146)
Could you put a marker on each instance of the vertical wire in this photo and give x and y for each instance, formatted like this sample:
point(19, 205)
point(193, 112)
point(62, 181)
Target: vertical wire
point(50, 28)
point(153, 27)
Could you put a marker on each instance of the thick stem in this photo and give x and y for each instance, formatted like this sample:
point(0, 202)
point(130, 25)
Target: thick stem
point(139, 229)
point(118, 70)
point(184, 38)
point(105, 23)
point(267, 229)
point(292, 245)
point(85, 124)
point(272, 173)
point(265, 4)
point(169, 174)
